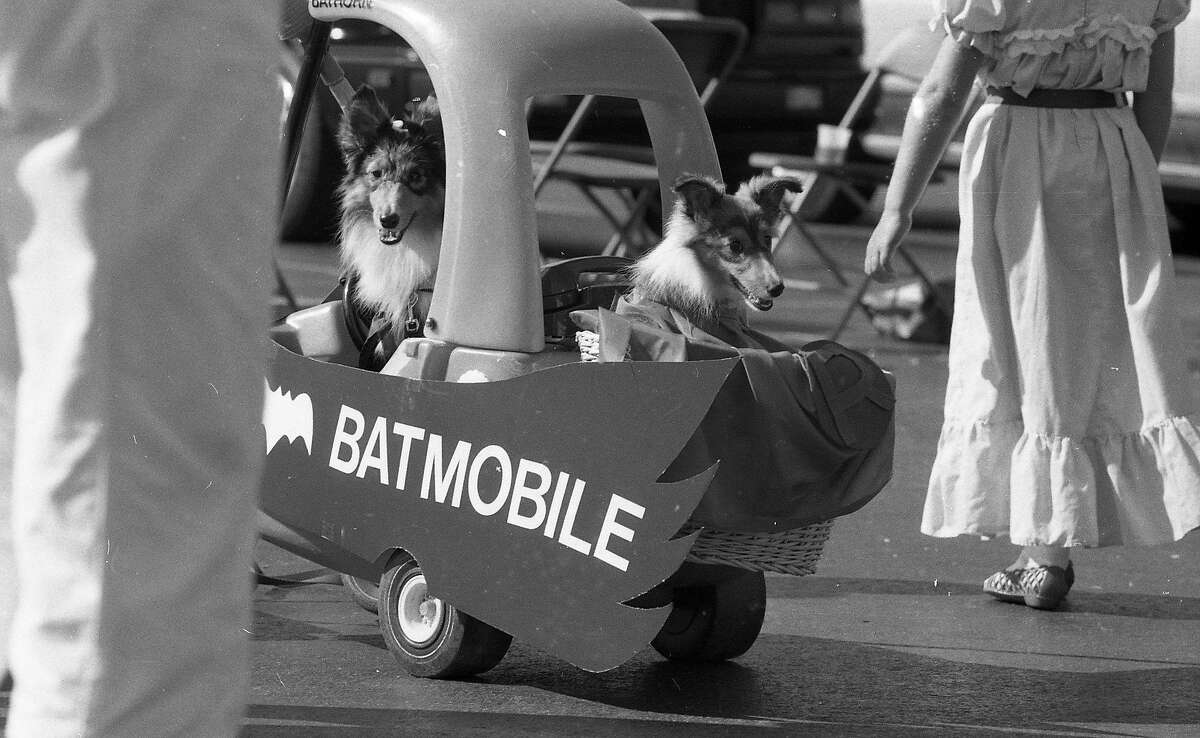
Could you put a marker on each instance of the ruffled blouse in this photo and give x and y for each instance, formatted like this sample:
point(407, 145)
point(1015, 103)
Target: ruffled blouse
point(1085, 44)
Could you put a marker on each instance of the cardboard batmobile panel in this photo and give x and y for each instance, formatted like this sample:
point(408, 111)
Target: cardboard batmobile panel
point(531, 503)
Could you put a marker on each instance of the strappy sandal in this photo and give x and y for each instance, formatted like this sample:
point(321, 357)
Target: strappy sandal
point(1040, 587)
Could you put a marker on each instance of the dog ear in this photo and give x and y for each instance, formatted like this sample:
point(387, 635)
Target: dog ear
point(426, 114)
point(364, 117)
point(767, 192)
point(698, 194)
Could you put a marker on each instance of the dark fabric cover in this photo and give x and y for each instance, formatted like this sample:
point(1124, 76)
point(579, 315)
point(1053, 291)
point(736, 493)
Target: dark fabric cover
point(801, 436)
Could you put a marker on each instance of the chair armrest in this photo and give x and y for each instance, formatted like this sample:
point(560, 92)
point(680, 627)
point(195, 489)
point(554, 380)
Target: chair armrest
point(886, 146)
point(862, 172)
point(602, 171)
point(622, 152)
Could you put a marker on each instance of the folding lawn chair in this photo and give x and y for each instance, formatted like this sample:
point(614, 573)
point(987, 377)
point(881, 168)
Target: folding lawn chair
point(708, 47)
point(902, 63)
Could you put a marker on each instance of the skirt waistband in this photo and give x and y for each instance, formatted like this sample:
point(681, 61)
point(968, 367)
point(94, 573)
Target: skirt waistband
point(1045, 98)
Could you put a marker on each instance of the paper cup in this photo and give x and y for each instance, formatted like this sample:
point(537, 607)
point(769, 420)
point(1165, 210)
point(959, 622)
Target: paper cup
point(832, 142)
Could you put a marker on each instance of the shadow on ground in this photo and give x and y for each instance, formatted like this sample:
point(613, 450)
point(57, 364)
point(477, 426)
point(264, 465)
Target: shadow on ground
point(850, 683)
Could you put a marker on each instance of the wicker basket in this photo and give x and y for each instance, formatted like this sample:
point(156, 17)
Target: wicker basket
point(794, 552)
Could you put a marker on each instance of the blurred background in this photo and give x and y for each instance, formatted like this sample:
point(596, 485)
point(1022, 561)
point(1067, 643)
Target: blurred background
point(803, 64)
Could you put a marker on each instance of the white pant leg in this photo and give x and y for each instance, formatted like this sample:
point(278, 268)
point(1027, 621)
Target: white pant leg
point(8, 399)
point(140, 298)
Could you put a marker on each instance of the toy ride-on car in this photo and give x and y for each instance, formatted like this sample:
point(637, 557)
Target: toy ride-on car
point(488, 482)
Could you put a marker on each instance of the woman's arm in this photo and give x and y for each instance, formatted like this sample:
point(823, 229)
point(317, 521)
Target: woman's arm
point(935, 112)
point(1153, 107)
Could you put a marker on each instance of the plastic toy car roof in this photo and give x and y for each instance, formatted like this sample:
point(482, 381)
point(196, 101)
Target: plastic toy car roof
point(486, 58)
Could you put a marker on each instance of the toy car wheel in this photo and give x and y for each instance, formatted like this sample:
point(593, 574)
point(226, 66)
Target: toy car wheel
point(714, 622)
point(429, 637)
point(364, 592)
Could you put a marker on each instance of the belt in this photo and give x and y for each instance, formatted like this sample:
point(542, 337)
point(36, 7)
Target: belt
point(1045, 98)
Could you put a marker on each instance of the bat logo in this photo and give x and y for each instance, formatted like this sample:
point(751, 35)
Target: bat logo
point(288, 417)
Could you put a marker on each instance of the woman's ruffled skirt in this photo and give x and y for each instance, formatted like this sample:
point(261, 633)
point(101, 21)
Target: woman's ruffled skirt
point(1070, 415)
point(1137, 488)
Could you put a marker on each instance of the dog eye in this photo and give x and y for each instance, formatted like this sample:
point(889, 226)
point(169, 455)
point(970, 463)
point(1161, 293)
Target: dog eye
point(375, 173)
point(737, 247)
point(416, 180)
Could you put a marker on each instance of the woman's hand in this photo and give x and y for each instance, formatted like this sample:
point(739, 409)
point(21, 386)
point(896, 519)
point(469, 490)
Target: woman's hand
point(885, 240)
point(935, 113)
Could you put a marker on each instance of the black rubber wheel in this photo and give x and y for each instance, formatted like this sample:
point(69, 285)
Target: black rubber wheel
point(714, 622)
point(429, 637)
point(364, 592)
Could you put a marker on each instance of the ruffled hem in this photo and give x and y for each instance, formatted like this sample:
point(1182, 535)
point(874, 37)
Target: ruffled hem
point(1139, 488)
point(1045, 42)
point(983, 32)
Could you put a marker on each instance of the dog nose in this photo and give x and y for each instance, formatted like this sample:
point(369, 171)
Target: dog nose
point(391, 220)
point(777, 290)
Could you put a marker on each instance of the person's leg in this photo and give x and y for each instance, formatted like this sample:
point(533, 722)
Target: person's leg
point(8, 398)
point(58, 493)
point(15, 220)
point(1058, 556)
point(140, 294)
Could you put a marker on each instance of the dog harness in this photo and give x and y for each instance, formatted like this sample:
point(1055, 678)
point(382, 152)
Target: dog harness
point(383, 340)
point(372, 332)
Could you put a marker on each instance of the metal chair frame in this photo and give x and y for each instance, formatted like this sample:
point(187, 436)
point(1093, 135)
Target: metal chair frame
point(629, 171)
point(907, 56)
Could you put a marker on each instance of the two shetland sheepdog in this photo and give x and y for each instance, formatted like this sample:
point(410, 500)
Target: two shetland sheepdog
point(715, 258)
point(392, 201)
point(716, 255)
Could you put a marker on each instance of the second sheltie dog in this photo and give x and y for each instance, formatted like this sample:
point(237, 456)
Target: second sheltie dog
point(716, 255)
point(392, 201)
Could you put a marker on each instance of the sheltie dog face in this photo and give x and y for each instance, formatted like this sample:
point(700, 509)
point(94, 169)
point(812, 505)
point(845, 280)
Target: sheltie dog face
point(392, 198)
point(717, 250)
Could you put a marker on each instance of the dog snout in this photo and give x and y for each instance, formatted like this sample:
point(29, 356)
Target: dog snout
point(392, 220)
point(776, 290)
